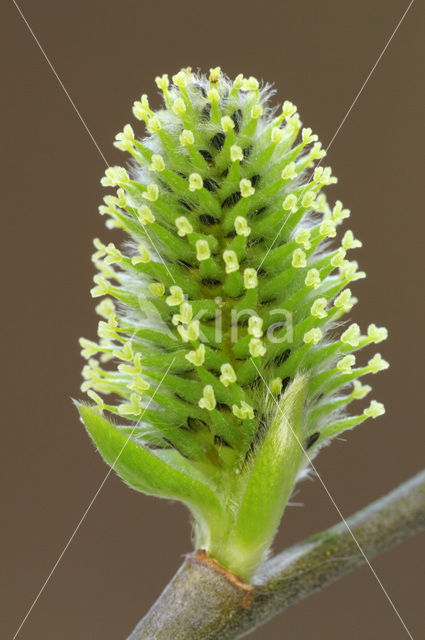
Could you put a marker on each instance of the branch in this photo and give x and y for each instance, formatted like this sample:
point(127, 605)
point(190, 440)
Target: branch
point(205, 601)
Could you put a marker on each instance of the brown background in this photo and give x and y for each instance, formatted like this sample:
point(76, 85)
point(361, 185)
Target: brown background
point(107, 53)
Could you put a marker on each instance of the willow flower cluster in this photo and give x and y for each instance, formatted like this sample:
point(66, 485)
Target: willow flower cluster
point(224, 361)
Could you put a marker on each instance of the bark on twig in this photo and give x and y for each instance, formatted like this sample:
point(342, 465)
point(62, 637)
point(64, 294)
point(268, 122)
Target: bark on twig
point(206, 602)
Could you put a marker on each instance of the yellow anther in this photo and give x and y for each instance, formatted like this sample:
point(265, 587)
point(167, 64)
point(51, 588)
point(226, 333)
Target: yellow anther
point(256, 111)
point(154, 124)
point(145, 215)
point(246, 188)
point(250, 278)
point(195, 182)
point(308, 136)
point(351, 336)
point(203, 251)
point(186, 313)
point(176, 296)
point(230, 260)
point(303, 237)
point(151, 193)
point(114, 176)
point(144, 256)
point(293, 123)
point(338, 260)
point(277, 135)
point(338, 213)
point(308, 199)
point(312, 279)
point(377, 363)
point(183, 226)
point(157, 288)
point(288, 109)
point(241, 226)
point(360, 390)
point(238, 81)
point(299, 259)
point(162, 82)
point(255, 326)
point(349, 241)
point(179, 106)
point(189, 333)
point(133, 407)
point(313, 336)
point(318, 308)
point(377, 334)
point(344, 365)
point(215, 74)
point(344, 300)
point(251, 84)
point(290, 203)
point(139, 384)
point(289, 172)
point(227, 123)
point(208, 400)
point(374, 410)
point(180, 79)
point(157, 163)
point(256, 348)
point(187, 138)
point(197, 357)
point(244, 412)
point(105, 308)
point(236, 153)
point(327, 229)
point(228, 375)
point(276, 385)
point(213, 96)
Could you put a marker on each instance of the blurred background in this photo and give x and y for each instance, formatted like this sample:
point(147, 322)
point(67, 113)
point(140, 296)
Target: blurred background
point(106, 53)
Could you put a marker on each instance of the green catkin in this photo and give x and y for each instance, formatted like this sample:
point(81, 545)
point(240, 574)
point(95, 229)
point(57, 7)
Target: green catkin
point(232, 286)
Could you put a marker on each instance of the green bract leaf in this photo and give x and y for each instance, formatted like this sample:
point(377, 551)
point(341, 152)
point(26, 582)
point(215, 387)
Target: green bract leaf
point(266, 484)
point(144, 471)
